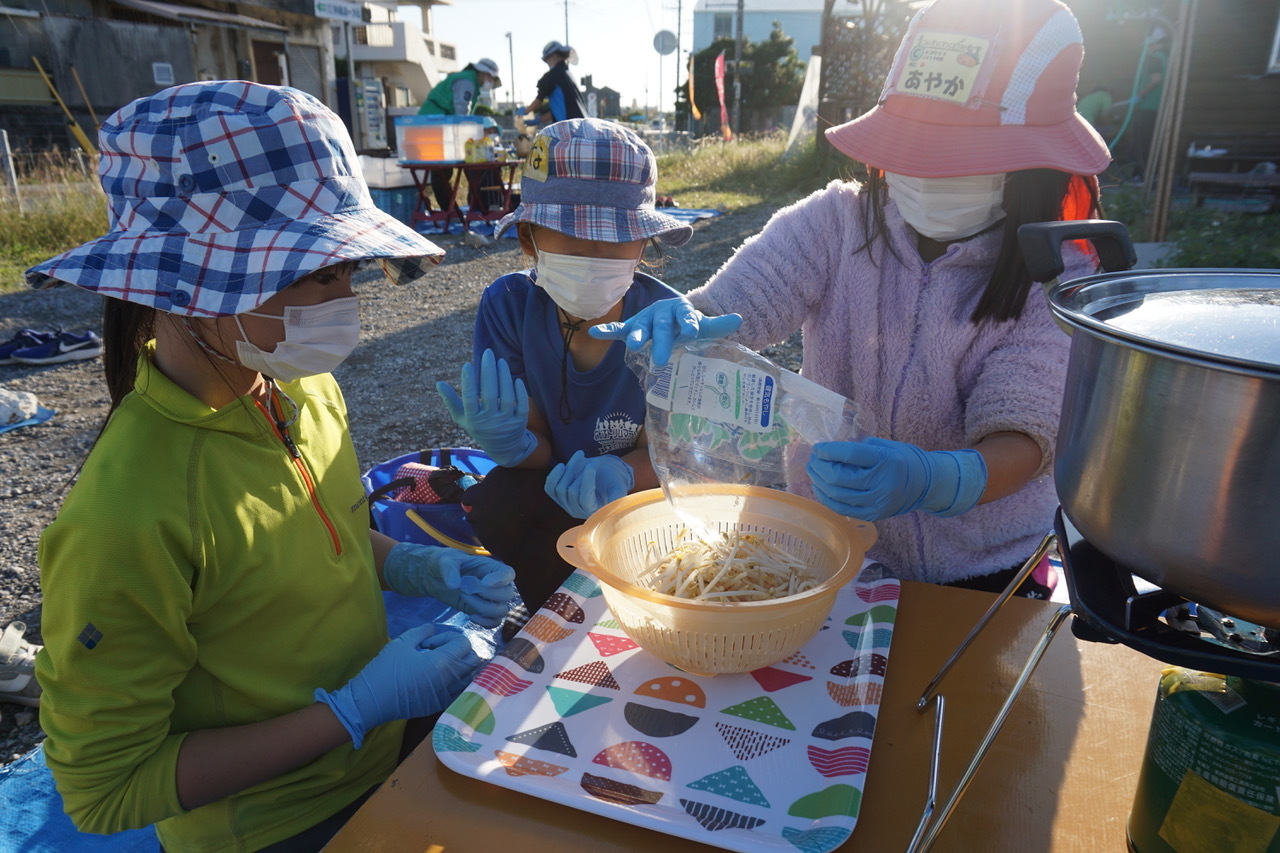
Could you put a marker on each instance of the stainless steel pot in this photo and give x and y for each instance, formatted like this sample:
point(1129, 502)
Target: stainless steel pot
point(1168, 452)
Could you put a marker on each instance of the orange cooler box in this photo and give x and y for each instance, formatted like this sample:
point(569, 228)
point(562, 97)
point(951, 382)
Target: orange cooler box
point(432, 139)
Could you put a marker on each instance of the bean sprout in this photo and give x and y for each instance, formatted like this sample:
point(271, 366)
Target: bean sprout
point(735, 566)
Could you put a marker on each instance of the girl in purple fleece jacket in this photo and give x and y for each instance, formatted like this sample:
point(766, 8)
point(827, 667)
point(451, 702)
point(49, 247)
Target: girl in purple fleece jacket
point(913, 297)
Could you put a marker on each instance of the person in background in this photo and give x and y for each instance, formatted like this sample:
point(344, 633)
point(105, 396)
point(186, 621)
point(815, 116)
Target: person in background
point(1144, 106)
point(558, 410)
point(457, 95)
point(558, 95)
point(1094, 108)
point(913, 297)
point(216, 658)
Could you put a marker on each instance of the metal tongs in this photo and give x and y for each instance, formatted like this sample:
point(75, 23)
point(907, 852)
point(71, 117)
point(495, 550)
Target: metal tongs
point(926, 832)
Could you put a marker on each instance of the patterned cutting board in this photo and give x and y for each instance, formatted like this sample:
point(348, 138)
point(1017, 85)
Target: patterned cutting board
point(573, 711)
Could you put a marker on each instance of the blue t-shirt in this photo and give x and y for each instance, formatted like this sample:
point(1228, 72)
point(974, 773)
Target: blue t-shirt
point(519, 322)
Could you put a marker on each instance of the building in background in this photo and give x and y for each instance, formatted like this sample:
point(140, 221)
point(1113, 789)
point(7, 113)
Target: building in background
point(102, 54)
point(408, 59)
point(800, 19)
point(601, 102)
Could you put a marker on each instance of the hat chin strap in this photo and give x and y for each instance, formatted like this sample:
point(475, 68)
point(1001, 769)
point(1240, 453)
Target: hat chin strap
point(205, 345)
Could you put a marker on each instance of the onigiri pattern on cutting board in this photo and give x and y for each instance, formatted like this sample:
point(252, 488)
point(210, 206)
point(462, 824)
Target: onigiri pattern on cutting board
point(573, 711)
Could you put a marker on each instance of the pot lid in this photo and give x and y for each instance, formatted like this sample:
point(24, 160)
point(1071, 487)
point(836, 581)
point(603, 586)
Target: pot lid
point(1228, 316)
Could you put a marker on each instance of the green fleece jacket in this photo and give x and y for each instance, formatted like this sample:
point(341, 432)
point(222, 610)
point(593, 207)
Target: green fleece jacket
point(201, 575)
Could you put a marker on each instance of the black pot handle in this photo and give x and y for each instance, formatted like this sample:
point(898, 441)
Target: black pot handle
point(1041, 244)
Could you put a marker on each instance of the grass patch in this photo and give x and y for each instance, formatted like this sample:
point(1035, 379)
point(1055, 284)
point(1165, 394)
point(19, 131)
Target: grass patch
point(59, 213)
point(1201, 236)
point(62, 209)
point(1213, 238)
point(732, 176)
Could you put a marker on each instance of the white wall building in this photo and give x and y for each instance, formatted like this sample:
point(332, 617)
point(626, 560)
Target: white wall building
point(800, 19)
point(408, 59)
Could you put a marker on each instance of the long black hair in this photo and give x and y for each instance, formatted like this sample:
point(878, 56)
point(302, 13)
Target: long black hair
point(126, 328)
point(1030, 195)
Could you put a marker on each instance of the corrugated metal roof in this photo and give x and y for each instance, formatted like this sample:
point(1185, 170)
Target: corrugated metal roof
point(198, 15)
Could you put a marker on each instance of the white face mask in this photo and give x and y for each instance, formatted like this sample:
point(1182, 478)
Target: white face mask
point(316, 340)
point(584, 287)
point(948, 208)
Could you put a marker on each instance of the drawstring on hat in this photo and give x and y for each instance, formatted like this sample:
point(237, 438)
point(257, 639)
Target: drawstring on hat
point(569, 327)
point(205, 345)
point(277, 412)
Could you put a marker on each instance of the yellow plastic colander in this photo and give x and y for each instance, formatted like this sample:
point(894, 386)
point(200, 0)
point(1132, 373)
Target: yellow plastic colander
point(617, 543)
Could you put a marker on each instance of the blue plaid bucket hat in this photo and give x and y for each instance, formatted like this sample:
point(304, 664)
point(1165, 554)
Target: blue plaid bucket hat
point(223, 193)
point(593, 180)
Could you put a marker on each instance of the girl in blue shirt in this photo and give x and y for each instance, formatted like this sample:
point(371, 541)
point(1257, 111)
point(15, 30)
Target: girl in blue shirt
point(558, 410)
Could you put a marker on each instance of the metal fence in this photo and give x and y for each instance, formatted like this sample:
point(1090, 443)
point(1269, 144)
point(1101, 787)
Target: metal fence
point(24, 173)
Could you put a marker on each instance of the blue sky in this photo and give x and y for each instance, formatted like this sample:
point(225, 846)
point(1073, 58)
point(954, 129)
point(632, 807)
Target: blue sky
point(613, 38)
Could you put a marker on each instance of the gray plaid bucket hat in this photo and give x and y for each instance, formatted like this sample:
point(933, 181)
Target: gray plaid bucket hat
point(594, 180)
point(223, 193)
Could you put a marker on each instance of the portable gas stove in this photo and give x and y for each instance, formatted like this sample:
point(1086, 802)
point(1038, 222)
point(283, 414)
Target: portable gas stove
point(1210, 780)
point(1109, 608)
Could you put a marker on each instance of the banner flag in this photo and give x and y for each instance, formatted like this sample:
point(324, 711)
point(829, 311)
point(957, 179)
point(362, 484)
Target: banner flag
point(725, 130)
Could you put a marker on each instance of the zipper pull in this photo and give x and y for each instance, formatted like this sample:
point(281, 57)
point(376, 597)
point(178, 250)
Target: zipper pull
point(288, 440)
point(277, 415)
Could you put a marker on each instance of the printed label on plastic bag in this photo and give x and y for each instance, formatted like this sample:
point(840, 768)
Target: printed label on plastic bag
point(717, 389)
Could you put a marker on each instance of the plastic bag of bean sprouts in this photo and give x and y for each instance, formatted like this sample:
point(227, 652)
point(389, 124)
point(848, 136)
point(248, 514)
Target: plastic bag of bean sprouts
point(721, 413)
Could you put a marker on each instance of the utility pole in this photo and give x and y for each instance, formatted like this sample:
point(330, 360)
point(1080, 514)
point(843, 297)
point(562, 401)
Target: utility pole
point(675, 121)
point(566, 22)
point(511, 73)
point(737, 74)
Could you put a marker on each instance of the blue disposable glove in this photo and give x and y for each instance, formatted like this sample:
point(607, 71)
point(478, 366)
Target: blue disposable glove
point(666, 322)
point(494, 411)
point(584, 484)
point(415, 675)
point(878, 478)
point(479, 586)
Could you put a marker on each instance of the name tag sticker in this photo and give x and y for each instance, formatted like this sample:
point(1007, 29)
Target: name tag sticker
point(946, 66)
point(535, 165)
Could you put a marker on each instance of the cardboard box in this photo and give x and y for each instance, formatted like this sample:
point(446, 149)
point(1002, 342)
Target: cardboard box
point(384, 172)
point(437, 139)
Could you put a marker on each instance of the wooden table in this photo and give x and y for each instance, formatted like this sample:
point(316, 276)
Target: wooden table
point(1059, 779)
point(1234, 185)
point(496, 178)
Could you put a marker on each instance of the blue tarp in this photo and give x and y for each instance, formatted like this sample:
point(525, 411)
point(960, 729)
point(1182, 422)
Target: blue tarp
point(35, 823)
point(42, 414)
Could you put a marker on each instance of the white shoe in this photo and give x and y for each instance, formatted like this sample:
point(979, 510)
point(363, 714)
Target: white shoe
point(18, 667)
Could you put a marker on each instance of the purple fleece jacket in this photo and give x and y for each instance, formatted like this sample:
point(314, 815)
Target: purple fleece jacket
point(895, 337)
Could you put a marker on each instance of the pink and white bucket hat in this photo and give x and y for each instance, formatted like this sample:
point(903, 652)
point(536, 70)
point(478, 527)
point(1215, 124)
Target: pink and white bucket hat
point(980, 87)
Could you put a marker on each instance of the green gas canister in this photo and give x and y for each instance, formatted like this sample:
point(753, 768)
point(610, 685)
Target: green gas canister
point(1210, 779)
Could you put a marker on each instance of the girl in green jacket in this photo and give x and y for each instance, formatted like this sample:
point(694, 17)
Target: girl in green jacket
point(216, 660)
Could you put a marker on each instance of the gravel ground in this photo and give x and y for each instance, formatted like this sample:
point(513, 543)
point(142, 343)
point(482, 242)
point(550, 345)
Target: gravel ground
point(412, 336)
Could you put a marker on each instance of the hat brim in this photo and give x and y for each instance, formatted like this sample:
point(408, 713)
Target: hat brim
point(230, 272)
point(922, 150)
point(596, 222)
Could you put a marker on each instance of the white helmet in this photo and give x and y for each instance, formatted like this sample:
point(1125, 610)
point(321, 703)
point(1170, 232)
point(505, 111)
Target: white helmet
point(556, 47)
point(488, 66)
